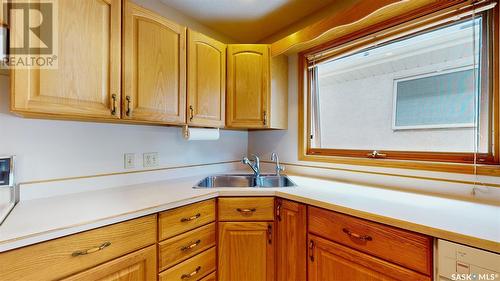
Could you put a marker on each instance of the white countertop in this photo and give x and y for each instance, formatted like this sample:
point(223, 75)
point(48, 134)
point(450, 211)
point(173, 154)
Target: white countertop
point(43, 219)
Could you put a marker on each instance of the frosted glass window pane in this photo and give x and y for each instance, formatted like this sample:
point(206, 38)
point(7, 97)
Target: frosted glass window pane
point(446, 99)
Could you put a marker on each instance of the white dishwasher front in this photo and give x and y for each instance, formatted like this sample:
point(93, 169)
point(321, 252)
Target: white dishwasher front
point(459, 262)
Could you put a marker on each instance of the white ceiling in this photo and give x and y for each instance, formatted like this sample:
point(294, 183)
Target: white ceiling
point(247, 21)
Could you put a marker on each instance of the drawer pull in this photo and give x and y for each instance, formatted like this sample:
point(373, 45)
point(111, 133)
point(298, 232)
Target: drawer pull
point(91, 250)
point(357, 236)
point(246, 211)
point(189, 275)
point(189, 247)
point(191, 218)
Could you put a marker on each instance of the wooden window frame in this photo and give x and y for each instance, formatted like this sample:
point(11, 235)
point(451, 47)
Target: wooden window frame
point(470, 163)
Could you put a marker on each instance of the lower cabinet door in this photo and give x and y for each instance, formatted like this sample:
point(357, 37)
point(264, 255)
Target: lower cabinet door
point(137, 266)
point(246, 251)
point(291, 241)
point(329, 261)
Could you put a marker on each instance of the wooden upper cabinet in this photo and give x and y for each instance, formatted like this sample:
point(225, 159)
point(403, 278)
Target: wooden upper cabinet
point(86, 82)
point(3, 20)
point(154, 67)
point(206, 89)
point(248, 86)
point(291, 241)
point(246, 251)
point(250, 72)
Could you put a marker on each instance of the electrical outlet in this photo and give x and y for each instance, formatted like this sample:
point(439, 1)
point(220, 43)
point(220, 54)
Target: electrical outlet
point(150, 159)
point(129, 160)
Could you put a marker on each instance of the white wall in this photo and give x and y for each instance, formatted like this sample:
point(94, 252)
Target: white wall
point(284, 142)
point(47, 149)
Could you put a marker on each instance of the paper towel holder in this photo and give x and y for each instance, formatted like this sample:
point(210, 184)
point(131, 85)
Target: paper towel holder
point(200, 133)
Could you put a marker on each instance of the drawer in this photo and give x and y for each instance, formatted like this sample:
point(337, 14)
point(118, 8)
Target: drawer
point(184, 246)
point(176, 221)
point(138, 266)
point(408, 249)
point(330, 259)
point(64, 256)
point(197, 267)
point(246, 209)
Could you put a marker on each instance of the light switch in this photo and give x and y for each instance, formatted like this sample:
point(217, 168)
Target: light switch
point(129, 161)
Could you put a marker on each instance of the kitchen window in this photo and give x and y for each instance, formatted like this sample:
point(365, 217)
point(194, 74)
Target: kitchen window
point(422, 96)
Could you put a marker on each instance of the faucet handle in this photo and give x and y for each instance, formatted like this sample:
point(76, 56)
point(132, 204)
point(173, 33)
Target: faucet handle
point(256, 161)
point(274, 156)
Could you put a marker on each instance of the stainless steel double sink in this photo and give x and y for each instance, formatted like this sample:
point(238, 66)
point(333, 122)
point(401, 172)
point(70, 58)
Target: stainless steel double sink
point(243, 180)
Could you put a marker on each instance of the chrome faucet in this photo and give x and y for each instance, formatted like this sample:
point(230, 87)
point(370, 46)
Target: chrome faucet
point(255, 165)
point(279, 168)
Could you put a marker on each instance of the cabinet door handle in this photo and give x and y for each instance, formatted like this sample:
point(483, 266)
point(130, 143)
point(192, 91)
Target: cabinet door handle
point(113, 109)
point(191, 246)
point(246, 211)
point(270, 233)
point(189, 275)
point(191, 218)
point(265, 118)
point(91, 250)
point(191, 113)
point(376, 154)
point(357, 236)
point(311, 250)
point(278, 212)
point(128, 112)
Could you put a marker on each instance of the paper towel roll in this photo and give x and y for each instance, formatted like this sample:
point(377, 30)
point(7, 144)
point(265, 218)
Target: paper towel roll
point(191, 134)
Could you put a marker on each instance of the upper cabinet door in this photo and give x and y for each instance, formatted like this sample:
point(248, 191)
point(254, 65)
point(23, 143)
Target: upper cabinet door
point(206, 81)
point(248, 87)
point(154, 67)
point(86, 82)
